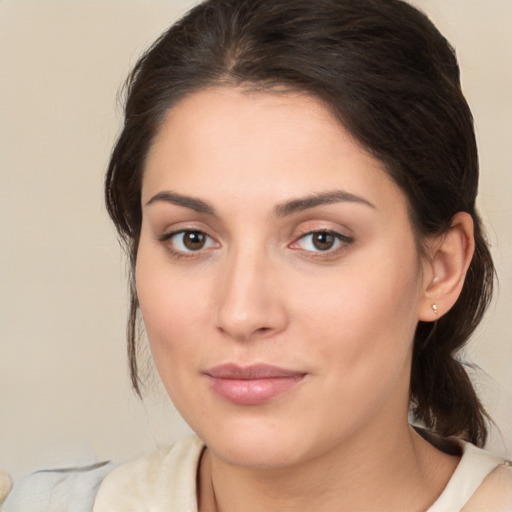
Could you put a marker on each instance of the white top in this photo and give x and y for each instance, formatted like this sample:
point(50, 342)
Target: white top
point(165, 481)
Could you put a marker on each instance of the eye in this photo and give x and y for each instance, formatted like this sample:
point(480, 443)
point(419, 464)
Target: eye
point(188, 241)
point(322, 241)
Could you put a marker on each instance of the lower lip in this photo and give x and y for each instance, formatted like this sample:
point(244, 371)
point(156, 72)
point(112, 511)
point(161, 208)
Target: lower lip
point(253, 391)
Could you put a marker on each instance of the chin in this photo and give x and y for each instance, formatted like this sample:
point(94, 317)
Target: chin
point(258, 443)
point(258, 453)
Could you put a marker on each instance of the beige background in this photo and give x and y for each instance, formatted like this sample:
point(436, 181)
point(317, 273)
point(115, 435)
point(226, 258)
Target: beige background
point(64, 391)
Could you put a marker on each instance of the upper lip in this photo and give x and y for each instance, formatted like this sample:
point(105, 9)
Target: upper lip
point(251, 372)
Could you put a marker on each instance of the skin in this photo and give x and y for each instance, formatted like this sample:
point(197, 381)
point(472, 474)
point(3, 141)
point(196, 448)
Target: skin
point(260, 291)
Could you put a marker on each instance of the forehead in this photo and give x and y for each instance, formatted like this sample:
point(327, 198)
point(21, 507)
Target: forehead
point(233, 143)
point(232, 116)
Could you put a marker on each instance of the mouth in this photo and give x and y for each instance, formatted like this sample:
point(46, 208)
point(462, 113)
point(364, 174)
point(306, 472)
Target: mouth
point(251, 385)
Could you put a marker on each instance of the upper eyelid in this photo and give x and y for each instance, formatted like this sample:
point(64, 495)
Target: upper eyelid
point(333, 231)
point(326, 222)
point(174, 232)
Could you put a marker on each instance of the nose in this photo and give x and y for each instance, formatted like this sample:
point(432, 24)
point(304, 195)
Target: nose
point(249, 301)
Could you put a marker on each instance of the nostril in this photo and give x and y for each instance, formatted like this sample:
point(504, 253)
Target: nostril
point(245, 334)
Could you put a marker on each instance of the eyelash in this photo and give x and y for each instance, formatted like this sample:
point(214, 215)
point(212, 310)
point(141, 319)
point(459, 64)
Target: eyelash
point(167, 240)
point(342, 242)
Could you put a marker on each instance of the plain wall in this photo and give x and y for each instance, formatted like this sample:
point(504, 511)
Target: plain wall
point(65, 396)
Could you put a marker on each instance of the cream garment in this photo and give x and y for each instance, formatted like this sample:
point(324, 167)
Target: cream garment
point(166, 482)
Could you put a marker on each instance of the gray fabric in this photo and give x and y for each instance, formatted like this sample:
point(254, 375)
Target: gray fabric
point(60, 490)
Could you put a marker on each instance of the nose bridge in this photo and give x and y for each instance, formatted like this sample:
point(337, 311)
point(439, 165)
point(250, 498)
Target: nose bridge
point(248, 304)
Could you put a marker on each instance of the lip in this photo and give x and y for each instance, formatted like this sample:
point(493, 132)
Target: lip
point(251, 385)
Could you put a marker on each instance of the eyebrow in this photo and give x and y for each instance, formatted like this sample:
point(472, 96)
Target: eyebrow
point(192, 203)
point(305, 203)
point(281, 210)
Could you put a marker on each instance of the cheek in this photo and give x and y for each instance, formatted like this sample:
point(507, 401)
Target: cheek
point(171, 307)
point(367, 315)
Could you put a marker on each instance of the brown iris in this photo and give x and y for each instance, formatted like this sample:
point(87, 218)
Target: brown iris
point(323, 241)
point(194, 240)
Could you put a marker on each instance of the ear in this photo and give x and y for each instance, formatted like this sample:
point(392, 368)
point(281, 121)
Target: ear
point(444, 272)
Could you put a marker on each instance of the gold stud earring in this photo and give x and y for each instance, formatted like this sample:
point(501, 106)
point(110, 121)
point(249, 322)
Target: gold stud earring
point(434, 307)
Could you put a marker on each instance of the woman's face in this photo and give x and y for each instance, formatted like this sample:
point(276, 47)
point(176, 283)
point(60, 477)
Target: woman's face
point(278, 277)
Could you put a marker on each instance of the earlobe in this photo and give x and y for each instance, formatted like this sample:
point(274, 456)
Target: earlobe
point(450, 256)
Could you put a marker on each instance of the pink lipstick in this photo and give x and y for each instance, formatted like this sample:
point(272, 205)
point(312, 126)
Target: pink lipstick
point(251, 385)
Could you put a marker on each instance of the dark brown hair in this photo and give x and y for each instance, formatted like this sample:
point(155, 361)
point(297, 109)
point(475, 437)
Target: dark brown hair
point(393, 81)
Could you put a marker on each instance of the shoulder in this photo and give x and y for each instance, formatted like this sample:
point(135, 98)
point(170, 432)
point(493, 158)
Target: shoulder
point(60, 489)
point(163, 480)
point(495, 492)
point(481, 483)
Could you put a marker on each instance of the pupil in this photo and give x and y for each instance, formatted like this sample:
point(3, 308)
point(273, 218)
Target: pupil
point(323, 241)
point(194, 240)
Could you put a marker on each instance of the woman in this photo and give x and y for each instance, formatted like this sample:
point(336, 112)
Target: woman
point(295, 183)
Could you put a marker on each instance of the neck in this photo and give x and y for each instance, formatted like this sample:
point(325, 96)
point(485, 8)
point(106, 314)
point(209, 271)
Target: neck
point(391, 472)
